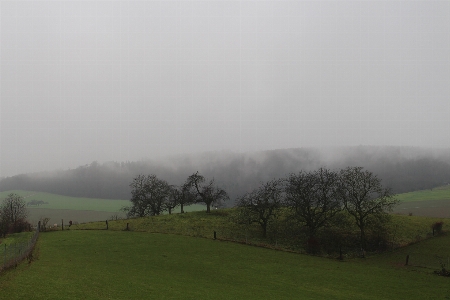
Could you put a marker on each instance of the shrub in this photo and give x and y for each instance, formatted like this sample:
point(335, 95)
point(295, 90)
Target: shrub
point(44, 222)
point(19, 226)
point(437, 227)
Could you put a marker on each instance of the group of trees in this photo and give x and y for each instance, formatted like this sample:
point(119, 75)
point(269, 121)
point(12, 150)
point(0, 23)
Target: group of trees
point(320, 199)
point(311, 201)
point(405, 168)
point(13, 215)
point(151, 196)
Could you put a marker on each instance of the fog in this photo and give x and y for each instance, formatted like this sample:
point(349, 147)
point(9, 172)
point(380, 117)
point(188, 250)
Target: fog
point(84, 81)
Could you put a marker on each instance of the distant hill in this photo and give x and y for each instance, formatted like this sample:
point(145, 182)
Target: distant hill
point(404, 169)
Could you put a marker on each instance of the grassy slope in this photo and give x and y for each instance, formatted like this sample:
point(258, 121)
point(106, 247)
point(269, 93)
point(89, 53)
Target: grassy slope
point(73, 208)
point(439, 193)
point(431, 203)
point(136, 265)
point(66, 202)
point(403, 229)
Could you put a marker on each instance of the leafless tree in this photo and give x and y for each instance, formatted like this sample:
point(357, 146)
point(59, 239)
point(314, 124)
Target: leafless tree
point(183, 196)
point(364, 197)
point(208, 193)
point(13, 213)
point(262, 204)
point(148, 196)
point(313, 198)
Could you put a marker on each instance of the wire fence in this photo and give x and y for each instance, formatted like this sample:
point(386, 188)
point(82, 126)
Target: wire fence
point(11, 255)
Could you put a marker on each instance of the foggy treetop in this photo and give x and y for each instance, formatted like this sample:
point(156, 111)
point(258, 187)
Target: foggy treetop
point(401, 168)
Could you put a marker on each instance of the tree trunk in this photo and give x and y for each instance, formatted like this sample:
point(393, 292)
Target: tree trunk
point(208, 207)
point(182, 210)
point(264, 228)
point(363, 239)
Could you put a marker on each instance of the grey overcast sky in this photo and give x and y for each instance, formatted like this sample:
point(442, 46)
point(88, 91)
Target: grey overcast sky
point(85, 81)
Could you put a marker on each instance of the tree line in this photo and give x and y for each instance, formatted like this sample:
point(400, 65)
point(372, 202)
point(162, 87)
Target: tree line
point(314, 202)
point(406, 169)
point(151, 196)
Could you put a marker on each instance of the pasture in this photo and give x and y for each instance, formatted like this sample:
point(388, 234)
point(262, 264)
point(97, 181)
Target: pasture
point(403, 230)
point(175, 256)
point(438, 193)
point(431, 203)
point(75, 208)
point(66, 202)
point(103, 264)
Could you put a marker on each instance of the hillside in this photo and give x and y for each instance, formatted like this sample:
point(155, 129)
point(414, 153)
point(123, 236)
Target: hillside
point(402, 230)
point(169, 266)
point(404, 169)
point(433, 202)
point(432, 194)
point(77, 209)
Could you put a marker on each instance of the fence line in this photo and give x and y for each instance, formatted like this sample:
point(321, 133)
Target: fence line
point(15, 253)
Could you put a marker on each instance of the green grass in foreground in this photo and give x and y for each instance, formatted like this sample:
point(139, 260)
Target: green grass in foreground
point(16, 238)
point(136, 265)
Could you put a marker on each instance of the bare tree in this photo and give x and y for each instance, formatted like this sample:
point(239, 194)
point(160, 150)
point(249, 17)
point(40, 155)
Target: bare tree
point(183, 196)
point(364, 196)
point(262, 204)
point(148, 196)
point(207, 193)
point(173, 200)
point(313, 197)
point(13, 214)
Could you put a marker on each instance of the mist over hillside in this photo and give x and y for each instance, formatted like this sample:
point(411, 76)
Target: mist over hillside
point(403, 169)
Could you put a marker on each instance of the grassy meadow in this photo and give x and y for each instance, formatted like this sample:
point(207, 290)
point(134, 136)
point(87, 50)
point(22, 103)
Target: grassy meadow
point(403, 230)
point(66, 202)
point(77, 209)
point(78, 264)
point(433, 203)
point(175, 257)
point(438, 193)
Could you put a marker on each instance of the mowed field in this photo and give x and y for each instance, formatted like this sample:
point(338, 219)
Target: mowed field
point(79, 210)
point(431, 203)
point(79, 264)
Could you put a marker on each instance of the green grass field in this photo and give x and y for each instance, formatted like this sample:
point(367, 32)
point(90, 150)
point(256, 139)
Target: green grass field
point(66, 202)
point(403, 230)
point(175, 256)
point(75, 264)
point(431, 203)
point(80, 210)
point(439, 193)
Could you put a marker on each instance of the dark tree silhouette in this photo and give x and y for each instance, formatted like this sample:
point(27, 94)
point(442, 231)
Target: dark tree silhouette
point(149, 195)
point(207, 193)
point(364, 196)
point(262, 204)
point(313, 198)
point(13, 214)
point(183, 196)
